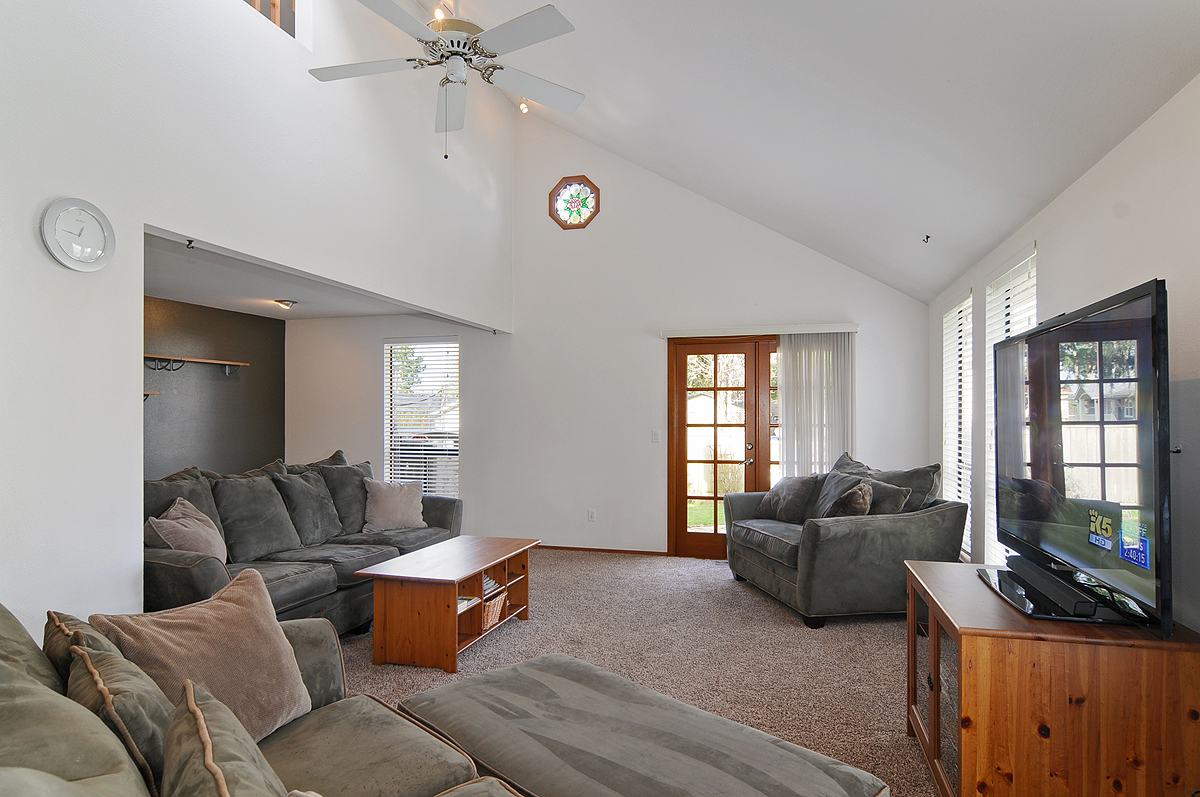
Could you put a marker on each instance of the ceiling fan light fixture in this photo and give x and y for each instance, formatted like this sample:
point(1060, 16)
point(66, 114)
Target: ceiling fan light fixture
point(286, 304)
point(524, 107)
point(439, 14)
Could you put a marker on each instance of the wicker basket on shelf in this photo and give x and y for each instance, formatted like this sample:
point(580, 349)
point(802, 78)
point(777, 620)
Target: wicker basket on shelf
point(493, 609)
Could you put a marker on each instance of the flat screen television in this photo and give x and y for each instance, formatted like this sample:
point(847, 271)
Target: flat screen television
point(1083, 481)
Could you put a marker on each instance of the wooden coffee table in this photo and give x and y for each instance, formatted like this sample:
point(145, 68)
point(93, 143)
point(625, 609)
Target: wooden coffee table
point(431, 604)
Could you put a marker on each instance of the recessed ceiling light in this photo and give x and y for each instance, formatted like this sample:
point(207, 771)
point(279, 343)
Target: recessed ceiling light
point(286, 304)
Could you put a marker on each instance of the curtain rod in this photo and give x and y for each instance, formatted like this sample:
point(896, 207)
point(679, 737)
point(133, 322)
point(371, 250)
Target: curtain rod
point(798, 329)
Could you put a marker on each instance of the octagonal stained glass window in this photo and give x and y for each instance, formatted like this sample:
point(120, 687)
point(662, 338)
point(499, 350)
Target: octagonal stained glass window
point(574, 202)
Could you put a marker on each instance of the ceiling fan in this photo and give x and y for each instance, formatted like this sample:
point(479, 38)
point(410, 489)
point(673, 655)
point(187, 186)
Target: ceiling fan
point(459, 45)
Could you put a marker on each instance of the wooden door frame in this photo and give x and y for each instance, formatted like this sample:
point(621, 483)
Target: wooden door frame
point(676, 425)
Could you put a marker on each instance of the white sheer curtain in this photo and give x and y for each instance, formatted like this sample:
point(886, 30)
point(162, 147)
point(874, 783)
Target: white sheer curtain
point(816, 400)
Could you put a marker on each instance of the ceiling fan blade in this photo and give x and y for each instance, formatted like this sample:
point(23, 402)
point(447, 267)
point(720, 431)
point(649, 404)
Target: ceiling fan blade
point(534, 88)
point(402, 19)
point(366, 68)
point(536, 26)
point(451, 108)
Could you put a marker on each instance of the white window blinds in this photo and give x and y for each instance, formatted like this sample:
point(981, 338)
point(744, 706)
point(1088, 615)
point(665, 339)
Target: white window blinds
point(957, 385)
point(1011, 308)
point(421, 411)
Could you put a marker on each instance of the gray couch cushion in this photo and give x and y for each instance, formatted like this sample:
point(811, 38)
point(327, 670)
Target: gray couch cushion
point(42, 729)
point(772, 538)
point(19, 651)
point(310, 506)
point(788, 499)
point(557, 725)
point(254, 517)
point(291, 583)
point(924, 481)
point(376, 752)
point(837, 486)
point(887, 499)
point(336, 458)
point(61, 632)
point(403, 540)
point(345, 483)
point(345, 558)
point(157, 496)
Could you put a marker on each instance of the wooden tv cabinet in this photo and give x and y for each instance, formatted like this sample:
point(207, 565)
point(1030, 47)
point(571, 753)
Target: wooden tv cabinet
point(1003, 704)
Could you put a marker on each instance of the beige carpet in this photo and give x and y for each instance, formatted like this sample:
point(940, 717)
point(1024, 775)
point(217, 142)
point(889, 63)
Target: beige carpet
point(685, 628)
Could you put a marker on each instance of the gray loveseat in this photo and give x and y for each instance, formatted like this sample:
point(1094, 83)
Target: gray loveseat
point(830, 566)
point(300, 526)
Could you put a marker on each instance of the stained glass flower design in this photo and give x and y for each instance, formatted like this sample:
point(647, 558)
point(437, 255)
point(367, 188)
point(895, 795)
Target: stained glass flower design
point(574, 202)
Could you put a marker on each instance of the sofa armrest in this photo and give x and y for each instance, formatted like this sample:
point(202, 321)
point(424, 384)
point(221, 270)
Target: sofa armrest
point(849, 565)
point(319, 654)
point(442, 512)
point(739, 506)
point(173, 578)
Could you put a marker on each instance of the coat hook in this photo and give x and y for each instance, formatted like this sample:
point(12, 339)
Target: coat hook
point(191, 243)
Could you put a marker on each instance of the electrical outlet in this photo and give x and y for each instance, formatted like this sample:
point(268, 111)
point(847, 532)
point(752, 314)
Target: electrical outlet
point(654, 436)
point(591, 516)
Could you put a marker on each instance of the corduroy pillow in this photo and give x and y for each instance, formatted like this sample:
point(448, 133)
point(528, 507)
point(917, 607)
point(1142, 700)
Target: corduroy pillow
point(128, 701)
point(183, 527)
point(210, 754)
point(787, 499)
point(393, 505)
point(230, 642)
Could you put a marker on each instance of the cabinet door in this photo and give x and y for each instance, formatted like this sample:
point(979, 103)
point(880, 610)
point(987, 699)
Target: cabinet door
point(949, 732)
point(924, 681)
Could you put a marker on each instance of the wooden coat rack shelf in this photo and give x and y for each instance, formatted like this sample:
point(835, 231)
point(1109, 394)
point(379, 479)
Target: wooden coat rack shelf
point(158, 362)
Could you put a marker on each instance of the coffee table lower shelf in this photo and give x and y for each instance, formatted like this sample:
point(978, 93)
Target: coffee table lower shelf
point(430, 605)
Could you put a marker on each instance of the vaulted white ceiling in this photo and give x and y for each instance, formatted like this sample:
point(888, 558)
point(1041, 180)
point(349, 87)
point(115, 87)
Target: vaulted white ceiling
point(858, 128)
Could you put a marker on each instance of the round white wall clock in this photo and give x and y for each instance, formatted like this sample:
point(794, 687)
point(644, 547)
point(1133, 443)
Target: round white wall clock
point(78, 235)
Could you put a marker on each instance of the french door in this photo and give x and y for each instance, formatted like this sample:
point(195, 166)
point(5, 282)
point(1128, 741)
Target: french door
point(723, 415)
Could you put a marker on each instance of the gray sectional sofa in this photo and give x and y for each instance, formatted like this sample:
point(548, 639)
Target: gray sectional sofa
point(300, 526)
point(826, 565)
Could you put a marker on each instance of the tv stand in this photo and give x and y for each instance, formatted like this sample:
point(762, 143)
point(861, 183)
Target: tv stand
point(1004, 704)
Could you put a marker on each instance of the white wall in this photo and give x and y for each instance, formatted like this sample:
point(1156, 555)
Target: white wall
point(1133, 217)
point(200, 118)
point(557, 417)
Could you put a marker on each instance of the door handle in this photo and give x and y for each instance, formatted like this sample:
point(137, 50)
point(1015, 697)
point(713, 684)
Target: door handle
point(748, 462)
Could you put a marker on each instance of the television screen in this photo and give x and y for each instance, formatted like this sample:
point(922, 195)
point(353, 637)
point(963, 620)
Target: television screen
point(1082, 447)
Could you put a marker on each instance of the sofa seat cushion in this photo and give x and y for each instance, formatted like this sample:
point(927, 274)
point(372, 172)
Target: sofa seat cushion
point(403, 540)
point(772, 538)
point(291, 583)
point(560, 726)
point(346, 559)
point(358, 747)
point(44, 730)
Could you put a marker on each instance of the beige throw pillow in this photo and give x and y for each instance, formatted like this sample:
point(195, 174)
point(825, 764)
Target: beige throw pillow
point(183, 527)
point(231, 643)
point(393, 505)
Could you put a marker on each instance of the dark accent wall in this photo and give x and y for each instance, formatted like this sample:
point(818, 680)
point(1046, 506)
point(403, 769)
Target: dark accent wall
point(202, 417)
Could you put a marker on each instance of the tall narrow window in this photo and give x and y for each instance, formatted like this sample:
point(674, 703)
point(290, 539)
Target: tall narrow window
point(957, 379)
point(1011, 308)
point(421, 413)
